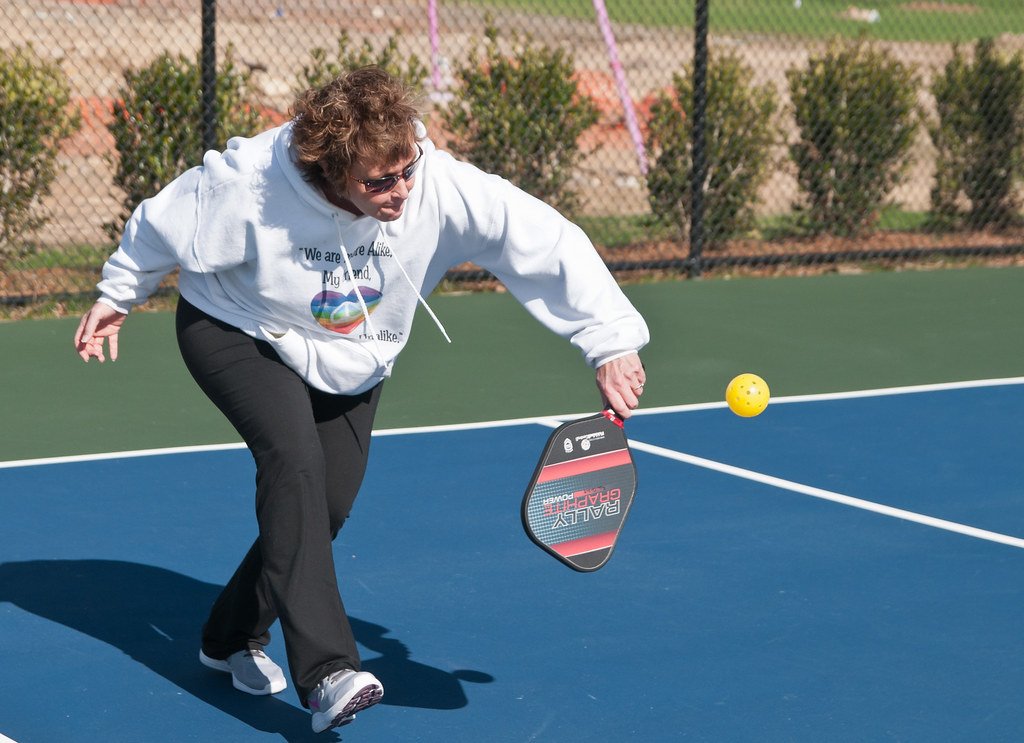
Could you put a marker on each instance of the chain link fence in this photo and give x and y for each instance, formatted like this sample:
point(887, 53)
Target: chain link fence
point(812, 132)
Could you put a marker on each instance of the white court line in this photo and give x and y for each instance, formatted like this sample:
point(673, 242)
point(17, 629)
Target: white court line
point(119, 455)
point(828, 495)
point(547, 420)
point(824, 396)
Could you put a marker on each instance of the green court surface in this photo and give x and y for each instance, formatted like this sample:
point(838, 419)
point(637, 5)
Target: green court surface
point(802, 334)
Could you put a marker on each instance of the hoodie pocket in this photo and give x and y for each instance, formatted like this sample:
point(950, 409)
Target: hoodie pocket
point(332, 365)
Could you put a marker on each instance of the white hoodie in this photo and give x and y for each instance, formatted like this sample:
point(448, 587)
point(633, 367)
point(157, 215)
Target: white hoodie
point(260, 248)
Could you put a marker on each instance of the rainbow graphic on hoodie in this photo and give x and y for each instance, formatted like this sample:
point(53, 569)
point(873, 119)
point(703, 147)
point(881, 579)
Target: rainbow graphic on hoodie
point(341, 313)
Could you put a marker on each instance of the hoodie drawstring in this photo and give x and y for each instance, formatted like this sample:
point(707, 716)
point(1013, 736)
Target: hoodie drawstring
point(419, 296)
point(362, 302)
point(359, 297)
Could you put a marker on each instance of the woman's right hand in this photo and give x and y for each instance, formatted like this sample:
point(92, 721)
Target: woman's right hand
point(99, 323)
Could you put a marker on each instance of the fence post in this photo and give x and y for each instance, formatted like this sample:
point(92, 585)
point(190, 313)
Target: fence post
point(209, 74)
point(700, 166)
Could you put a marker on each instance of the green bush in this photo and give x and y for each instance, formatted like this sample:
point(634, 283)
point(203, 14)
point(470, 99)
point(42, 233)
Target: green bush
point(323, 69)
point(979, 137)
point(158, 126)
point(521, 117)
point(34, 117)
point(739, 134)
point(856, 114)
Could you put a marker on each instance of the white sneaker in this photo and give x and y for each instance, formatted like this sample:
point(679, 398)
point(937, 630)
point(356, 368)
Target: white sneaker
point(335, 700)
point(251, 671)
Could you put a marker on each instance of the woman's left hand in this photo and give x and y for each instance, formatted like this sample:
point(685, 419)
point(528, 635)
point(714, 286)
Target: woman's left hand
point(621, 383)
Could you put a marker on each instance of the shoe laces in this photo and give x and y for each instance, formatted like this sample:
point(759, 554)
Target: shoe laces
point(335, 677)
point(332, 679)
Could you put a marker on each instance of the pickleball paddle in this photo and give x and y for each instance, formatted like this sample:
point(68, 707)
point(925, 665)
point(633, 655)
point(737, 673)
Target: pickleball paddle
point(581, 491)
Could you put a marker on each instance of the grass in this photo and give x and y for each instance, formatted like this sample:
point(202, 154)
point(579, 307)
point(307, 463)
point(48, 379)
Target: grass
point(77, 257)
point(623, 231)
point(894, 219)
point(899, 20)
point(891, 219)
point(620, 231)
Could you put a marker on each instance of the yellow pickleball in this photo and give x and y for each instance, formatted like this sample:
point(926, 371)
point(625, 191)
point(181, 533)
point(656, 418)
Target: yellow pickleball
point(747, 395)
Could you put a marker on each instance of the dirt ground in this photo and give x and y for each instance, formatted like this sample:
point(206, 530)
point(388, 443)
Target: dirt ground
point(96, 39)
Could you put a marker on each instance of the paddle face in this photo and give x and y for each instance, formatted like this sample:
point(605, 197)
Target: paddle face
point(581, 491)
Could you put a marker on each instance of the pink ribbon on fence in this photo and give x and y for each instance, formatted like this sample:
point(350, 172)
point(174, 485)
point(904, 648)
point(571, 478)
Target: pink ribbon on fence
point(435, 45)
point(620, 82)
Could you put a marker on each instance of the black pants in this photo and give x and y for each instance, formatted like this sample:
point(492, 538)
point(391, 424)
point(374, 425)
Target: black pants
point(310, 450)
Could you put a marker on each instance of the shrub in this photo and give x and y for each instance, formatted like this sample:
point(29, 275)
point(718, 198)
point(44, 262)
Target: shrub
point(158, 125)
point(856, 114)
point(979, 137)
point(34, 117)
point(323, 69)
point(739, 134)
point(521, 117)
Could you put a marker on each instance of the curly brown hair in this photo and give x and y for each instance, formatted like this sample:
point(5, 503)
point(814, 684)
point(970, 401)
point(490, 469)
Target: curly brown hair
point(364, 114)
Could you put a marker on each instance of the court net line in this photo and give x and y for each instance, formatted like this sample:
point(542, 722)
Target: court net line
point(554, 421)
point(532, 420)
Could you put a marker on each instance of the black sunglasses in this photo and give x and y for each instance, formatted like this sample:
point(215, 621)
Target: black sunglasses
point(387, 182)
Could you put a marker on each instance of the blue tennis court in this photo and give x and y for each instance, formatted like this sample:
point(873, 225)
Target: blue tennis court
point(841, 568)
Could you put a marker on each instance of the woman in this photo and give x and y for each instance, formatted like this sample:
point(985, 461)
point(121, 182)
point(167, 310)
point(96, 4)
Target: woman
point(303, 253)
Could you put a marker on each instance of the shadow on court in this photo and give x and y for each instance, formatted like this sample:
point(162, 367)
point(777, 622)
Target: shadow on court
point(154, 616)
